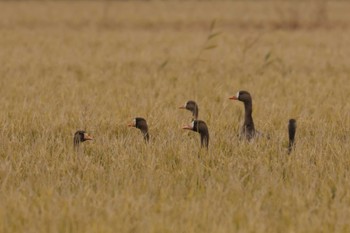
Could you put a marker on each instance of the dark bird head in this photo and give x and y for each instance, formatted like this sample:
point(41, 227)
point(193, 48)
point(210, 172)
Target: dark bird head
point(141, 124)
point(201, 128)
point(292, 127)
point(248, 126)
point(81, 136)
point(243, 96)
point(192, 107)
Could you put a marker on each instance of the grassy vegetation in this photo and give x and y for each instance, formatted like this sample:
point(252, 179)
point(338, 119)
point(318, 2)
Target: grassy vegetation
point(95, 66)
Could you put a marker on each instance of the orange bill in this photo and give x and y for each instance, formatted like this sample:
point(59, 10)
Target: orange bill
point(88, 137)
point(187, 127)
point(131, 124)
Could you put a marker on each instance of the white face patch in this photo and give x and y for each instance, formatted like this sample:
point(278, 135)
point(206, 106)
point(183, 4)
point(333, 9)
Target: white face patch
point(185, 104)
point(237, 95)
point(192, 124)
point(134, 121)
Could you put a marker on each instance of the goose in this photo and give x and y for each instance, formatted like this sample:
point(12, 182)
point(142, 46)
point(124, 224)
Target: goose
point(200, 127)
point(141, 124)
point(292, 127)
point(248, 129)
point(81, 136)
point(192, 107)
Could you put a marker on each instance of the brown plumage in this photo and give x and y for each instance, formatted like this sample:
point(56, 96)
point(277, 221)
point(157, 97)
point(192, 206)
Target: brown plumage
point(248, 129)
point(201, 128)
point(79, 137)
point(192, 107)
point(292, 127)
point(141, 124)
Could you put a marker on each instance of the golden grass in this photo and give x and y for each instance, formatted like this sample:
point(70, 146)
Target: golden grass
point(88, 65)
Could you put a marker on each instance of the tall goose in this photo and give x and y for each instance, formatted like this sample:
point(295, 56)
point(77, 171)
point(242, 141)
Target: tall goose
point(292, 127)
point(192, 107)
point(248, 129)
point(201, 128)
point(141, 124)
point(79, 137)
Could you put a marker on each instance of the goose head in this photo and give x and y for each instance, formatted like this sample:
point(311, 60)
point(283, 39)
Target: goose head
point(81, 136)
point(201, 128)
point(141, 124)
point(192, 107)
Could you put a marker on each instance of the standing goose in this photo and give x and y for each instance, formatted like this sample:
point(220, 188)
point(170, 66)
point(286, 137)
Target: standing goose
point(192, 107)
point(292, 127)
point(79, 137)
point(248, 130)
point(200, 127)
point(141, 124)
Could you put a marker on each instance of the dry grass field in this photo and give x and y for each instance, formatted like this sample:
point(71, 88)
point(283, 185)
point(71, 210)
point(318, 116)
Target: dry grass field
point(96, 65)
